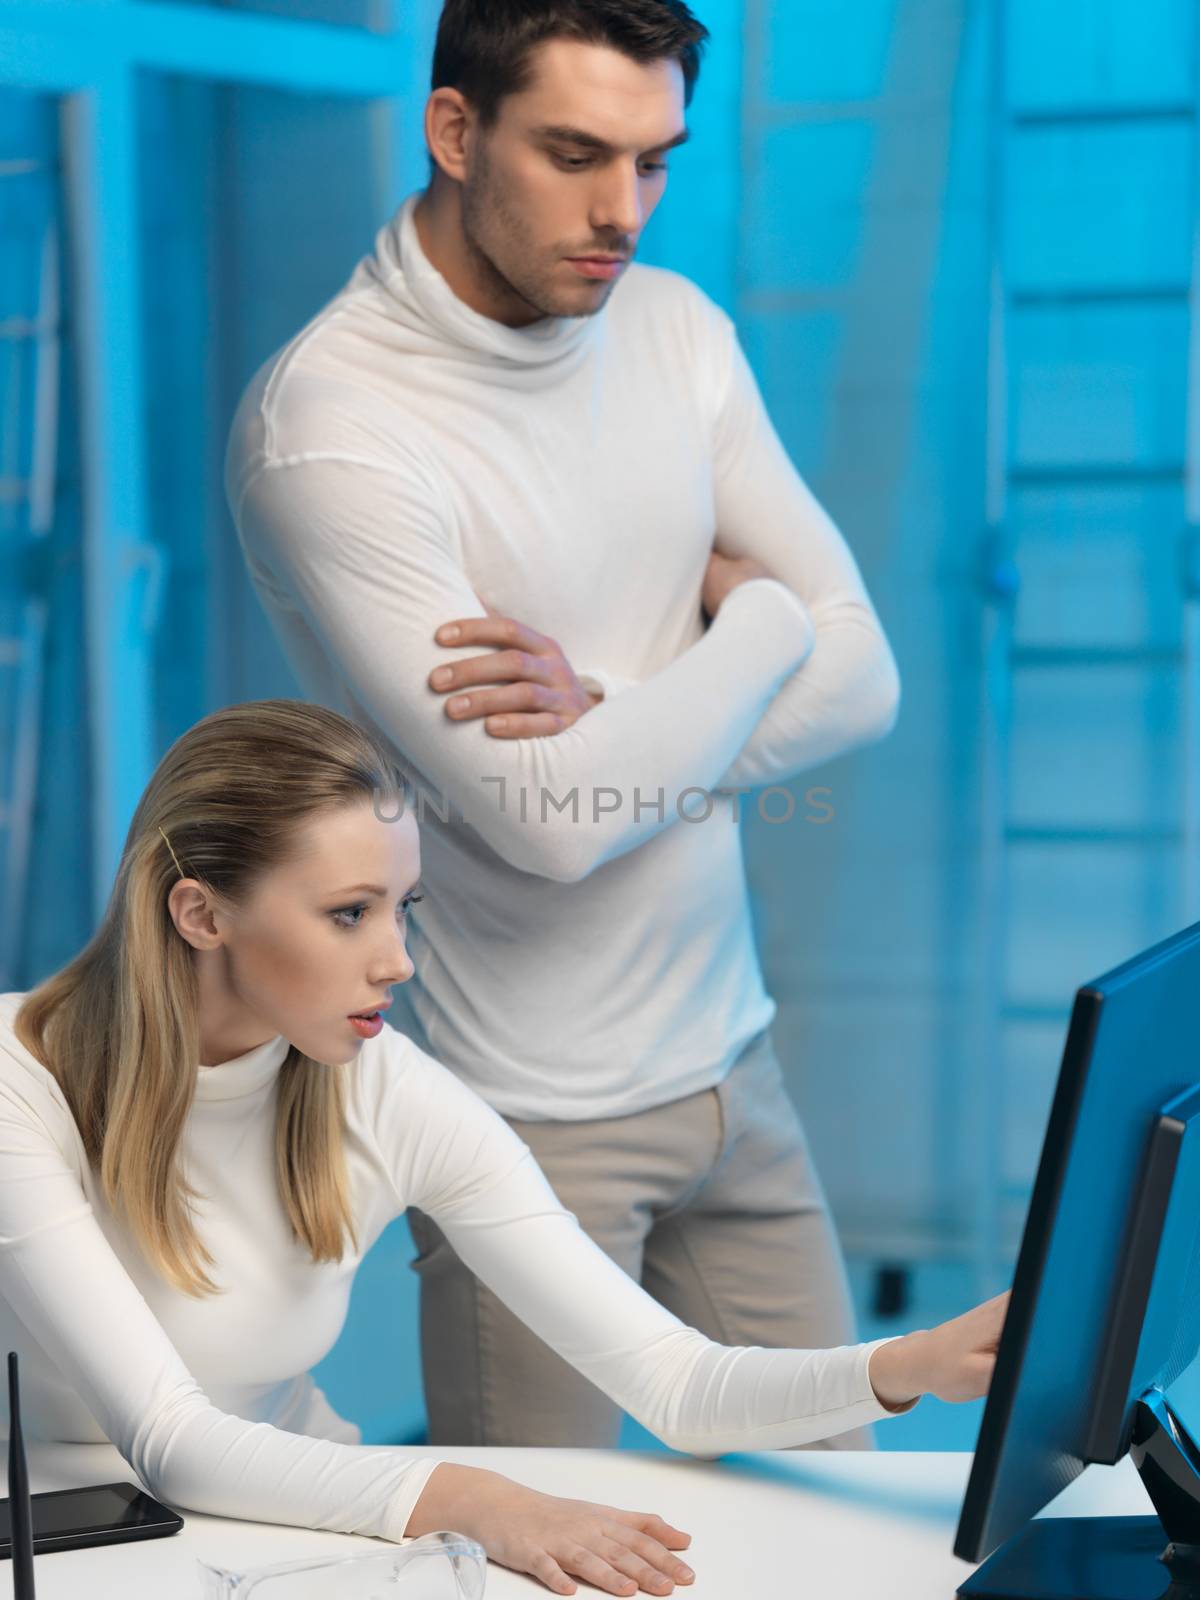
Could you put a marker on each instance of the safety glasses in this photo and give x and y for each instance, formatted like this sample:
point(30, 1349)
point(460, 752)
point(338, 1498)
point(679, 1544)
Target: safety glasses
point(437, 1566)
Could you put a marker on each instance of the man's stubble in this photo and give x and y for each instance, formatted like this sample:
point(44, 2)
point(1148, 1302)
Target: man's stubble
point(503, 250)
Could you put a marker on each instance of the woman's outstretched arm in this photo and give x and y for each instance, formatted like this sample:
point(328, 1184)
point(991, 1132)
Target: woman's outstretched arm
point(456, 1159)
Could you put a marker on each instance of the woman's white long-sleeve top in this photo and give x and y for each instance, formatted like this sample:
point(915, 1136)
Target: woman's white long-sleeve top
point(210, 1399)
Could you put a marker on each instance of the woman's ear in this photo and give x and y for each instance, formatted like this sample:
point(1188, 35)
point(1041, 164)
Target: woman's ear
point(193, 909)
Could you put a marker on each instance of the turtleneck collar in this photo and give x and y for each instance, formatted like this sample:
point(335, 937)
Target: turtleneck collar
point(244, 1074)
point(426, 302)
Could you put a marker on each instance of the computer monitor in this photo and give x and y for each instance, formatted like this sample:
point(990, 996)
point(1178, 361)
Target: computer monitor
point(1105, 1308)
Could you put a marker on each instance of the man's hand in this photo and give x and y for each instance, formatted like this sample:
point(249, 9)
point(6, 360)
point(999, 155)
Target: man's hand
point(541, 694)
point(723, 575)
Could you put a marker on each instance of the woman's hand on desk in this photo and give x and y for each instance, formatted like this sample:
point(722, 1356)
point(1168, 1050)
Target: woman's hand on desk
point(953, 1361)
point(620, 1552)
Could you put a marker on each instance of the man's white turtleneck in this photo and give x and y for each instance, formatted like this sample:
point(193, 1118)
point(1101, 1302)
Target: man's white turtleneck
point(581, 952)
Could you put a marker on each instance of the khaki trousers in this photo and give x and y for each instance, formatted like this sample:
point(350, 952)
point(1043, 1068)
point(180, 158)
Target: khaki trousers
point(711, 1202)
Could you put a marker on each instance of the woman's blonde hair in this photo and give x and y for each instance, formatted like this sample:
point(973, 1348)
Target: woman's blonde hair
point(119, 1025)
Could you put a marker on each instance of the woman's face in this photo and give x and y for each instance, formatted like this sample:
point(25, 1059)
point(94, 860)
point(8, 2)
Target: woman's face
point(317, 940)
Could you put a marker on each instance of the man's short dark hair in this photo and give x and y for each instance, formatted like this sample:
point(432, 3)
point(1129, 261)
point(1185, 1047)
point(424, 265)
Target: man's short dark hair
point(484, 47)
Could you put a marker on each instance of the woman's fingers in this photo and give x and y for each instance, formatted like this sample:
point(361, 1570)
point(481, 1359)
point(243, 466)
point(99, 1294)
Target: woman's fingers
point(542, 1565)
point(596, 1569)
point(609, 1564)
point(652, 1567)
point(614, 1551)
point(967, 1347)
point(649, 1522)
point(653, 1552)
point(998, 1310)
point(981, 1372)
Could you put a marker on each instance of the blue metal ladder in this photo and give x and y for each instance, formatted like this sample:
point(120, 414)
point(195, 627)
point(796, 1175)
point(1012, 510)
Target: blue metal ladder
point(29, 405)
point(1007, 655)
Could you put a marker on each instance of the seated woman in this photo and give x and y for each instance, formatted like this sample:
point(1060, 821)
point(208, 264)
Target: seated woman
point(205, 1124)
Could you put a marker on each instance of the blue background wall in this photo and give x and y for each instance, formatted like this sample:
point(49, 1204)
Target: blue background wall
point(958, 241)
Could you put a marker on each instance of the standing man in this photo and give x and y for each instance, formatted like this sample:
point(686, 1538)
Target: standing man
point(515, 503)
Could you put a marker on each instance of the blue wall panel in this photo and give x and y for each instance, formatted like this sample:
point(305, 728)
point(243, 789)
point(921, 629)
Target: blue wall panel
point(1100, 52)
point(812, 55)
point(1101, 385)
point(1100, 206)
point(1100, 565)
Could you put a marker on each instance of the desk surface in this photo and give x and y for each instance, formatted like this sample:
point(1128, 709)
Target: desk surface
point(765, 1526)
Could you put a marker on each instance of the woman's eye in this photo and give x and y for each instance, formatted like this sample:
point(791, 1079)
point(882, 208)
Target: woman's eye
point(352, 916)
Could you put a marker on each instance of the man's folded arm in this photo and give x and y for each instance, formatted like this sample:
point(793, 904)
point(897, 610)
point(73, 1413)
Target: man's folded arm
point(847, 692)
point(358, 555)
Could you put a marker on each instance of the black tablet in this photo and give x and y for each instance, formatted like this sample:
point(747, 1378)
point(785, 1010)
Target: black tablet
point(104, 1513)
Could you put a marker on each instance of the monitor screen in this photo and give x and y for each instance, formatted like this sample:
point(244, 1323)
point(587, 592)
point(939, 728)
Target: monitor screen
point(1132, 1049)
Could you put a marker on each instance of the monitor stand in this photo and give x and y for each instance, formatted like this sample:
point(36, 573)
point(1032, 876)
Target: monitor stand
point(1114, 1558)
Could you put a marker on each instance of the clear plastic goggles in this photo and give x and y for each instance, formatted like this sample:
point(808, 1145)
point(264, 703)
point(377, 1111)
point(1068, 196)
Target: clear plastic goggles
point(437, 1566)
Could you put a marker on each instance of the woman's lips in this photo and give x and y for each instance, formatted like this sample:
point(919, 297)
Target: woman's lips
point(368, 1026)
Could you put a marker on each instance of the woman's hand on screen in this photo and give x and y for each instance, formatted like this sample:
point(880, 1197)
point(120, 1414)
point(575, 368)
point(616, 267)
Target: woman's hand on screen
point(953, 1361)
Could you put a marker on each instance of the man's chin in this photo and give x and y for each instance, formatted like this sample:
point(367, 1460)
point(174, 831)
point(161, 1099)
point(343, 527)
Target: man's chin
point(585, 301)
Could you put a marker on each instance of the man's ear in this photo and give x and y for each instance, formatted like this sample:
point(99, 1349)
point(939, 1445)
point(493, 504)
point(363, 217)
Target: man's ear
point(449, 130)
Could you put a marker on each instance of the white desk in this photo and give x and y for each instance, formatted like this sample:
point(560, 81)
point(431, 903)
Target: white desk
point(770, 1526)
